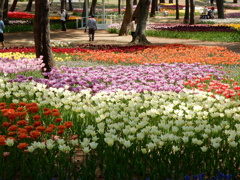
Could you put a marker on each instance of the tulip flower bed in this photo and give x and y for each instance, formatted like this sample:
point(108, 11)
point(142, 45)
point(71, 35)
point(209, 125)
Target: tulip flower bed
point(191, 28)
point(222, 33)
point(138, 117)
point(20, 15)
point(37, 139)
point(232, 15)
point(232, 6)
point(171, 6)
point(14, 66)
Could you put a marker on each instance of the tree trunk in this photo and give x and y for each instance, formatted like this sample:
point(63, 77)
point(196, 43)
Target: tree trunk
point(29, 6)
point(153, 8)
point(136, 12)
point(5, 12)
point(63, 4)
point(192, 12)
point(42, 34)
point(162, 1)
point(235, 1)
point(186, 15)
point(140, 37)
point(2, 6)
point(156, 5)
point(93, 7)
point(85, 11)
point(220, 9)
point(119, 6)
point(134, 2)
point(13, 7)
point(127, 18)
point(70, 8)
point(170, 1)
point(177, 10)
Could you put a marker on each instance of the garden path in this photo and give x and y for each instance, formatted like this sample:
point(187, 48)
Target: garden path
point(102, 37)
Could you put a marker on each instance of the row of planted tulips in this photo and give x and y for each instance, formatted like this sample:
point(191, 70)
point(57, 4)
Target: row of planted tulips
point(25, 15)
point(144, 119)
point(230, 27)
point(113, 54)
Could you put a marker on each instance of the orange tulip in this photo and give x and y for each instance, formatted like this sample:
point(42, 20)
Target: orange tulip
point(22, 145)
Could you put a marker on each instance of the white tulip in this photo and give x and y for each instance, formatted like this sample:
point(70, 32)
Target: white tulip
point(204, 148)
point(30, 149)
point(61, 141)
point(9, 142)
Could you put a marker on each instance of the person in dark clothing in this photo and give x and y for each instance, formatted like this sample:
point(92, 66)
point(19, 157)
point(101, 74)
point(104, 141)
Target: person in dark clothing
point(2, 26)
point(63, 19)
point(92, 27)
point(212, 2)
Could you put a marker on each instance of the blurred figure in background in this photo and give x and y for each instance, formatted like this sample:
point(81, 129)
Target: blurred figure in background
point(205, 12)
point(63, 19)
point(2, 26)
point(92, 27)
point(133, 25)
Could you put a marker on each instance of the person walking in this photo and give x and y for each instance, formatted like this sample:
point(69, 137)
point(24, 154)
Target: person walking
point(63, 19)
point(2, 26)
point(92, 27)
point(133, 25)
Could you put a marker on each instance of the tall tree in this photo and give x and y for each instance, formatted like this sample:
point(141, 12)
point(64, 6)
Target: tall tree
point(192, 12)
point(63, 4)
point(153, 8)
point(85, 11)
point(5, 12)
point(127, 18)
point(177, 9)
point(14, 4)
point(70, 6)
point(220, 9)
point(2, 6)
point(42, 34)
point(136, 11)
point(29, 6)
point(93, 7)
point(186, 15)
point(140, 35)
point(156, 5)
point(119, 6)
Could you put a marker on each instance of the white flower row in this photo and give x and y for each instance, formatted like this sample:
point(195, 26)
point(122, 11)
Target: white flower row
point(55, 43)
point(148, 120)
point(220, 21)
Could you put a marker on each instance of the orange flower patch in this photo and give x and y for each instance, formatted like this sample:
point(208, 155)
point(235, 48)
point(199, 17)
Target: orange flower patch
point(13, 128)
point(22, 145)
point(172, 53)
point(68, 124)
point(49, 129)
point(34, 126)
point(6, 124)
point(3, 105)
point(36, 117)
point(35, 134)
point(22, 123)
point(40, 128)
point(2, 140)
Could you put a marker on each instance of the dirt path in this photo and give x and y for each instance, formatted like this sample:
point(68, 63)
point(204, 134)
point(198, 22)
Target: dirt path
point(76, 36)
